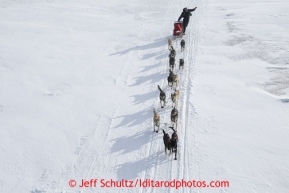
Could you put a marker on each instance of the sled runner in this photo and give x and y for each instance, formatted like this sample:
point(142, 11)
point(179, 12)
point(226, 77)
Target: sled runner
point(178, 29)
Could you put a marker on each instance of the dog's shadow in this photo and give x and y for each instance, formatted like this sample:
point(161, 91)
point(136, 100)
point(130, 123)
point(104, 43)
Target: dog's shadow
point(142, 98)
point(123, 144)
point(153, 78)
point(133, 170)
point(151, 67)
point(157, 43)
point(134, 119)
point(158, 56)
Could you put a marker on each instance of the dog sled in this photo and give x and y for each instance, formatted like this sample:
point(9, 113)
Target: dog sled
point(178, 29)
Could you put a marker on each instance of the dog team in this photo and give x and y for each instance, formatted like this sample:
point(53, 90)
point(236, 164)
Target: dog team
point(170, 143)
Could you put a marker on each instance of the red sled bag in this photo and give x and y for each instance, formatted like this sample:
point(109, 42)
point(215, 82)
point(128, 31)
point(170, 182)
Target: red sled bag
point(178, 28)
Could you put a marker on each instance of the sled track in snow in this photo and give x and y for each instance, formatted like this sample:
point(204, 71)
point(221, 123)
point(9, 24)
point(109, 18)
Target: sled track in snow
point(179, 169)
point(156, 149)
point(156, 136)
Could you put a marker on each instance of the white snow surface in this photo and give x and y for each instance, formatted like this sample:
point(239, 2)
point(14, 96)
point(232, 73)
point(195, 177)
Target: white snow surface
point(78, 83)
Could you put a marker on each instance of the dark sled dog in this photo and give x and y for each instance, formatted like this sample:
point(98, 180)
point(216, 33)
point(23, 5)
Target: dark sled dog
point(172, 63)
point(183, 45)
point(182, 64)
point(167, 142)
point(174, 142)
point(171, 79)
point(173, 52)
point(162, 97)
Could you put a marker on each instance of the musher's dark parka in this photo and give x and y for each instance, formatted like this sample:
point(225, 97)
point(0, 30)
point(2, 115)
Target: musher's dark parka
point(186, 15)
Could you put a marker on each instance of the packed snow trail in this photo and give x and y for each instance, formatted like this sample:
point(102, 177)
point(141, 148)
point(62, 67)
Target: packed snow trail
point(165, 168)
point(79, 83)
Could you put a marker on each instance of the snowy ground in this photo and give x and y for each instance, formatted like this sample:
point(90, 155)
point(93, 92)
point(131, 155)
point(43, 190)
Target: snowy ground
point(78, 83)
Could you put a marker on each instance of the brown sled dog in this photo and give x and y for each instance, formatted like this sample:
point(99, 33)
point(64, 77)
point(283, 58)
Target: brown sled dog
point(156, 119)
point(170, 44)
point(174, 117)
point(176, 81)
point(175, 97)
